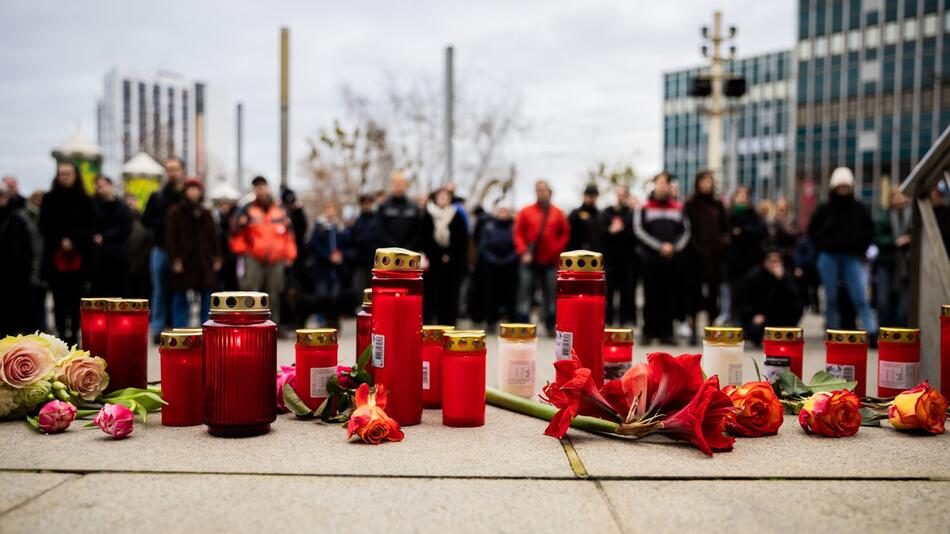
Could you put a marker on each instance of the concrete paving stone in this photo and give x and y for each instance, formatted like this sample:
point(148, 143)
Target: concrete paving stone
point(780, 506)
point(243, 503)
point(19, 487)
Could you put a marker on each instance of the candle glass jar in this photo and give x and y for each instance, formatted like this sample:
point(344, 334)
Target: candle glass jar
point(517, 358)
point(317, 357)
point(580, 310)
point(240, 365)
point(463, 378)
point(432, 364)
point(784, 349)
point(945, 350)
point(898, 360)
point(126, 351)
point(181, 353)
point(364, 323)
point(92, 319)
point(846, 356)
point(618, 352)
point(722, 354)
point(397, 331)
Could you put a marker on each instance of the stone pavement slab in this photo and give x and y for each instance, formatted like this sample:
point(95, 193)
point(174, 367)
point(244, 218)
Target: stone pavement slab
point(248, 503)
point(17, 488)
point(780, 506)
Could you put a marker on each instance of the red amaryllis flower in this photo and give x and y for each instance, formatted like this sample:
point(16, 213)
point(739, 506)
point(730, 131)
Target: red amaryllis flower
point(628, 395)
point(672, 381)
point(703, 421)
point(574, 393)
point(369, 420)
point(760, 410)
point(831, 413)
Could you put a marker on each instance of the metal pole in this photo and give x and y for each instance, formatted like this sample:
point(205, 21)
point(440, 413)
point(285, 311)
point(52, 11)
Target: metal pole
point(449, 112)
point(240, 146)
point(284, 90)
point(715, 112)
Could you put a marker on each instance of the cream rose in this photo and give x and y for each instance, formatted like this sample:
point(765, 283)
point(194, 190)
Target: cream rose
point(84, 375)
point(24, 361)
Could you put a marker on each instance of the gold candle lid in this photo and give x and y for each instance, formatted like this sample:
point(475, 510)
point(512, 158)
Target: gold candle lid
point(849, 337)
point(127, 305)
point(517, 331)
point(239, 302)
point(582, 260)
point(618, 335)
point(368, 296)
point(945, 310)
point(782, 333)
point(433, 333)
point(192, 330)
point(898, 335)
point(464, 340)
point(725, 335)
point(316, 337)
point(397, 259)
point(181, 339)
point(94, 303)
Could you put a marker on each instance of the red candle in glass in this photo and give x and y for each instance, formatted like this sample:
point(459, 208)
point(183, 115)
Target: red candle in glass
point(126, 351)
point(580, 310)
point(317, 358)
point(92, 318)
point(240, 365)
point(463, 378)
point(898, 360)
point(784, 349)
point(846, 356)
point(945, 350)
point(397, 331)
point(181, 354)
point(364, 323)
point(618, 352)
point(432, 364)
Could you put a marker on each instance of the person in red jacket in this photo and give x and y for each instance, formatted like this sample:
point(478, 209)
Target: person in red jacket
point(264, 236)
point(540, 235)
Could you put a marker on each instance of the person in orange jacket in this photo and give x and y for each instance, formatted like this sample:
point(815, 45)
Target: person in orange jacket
point(540, 235)
point(264, 237)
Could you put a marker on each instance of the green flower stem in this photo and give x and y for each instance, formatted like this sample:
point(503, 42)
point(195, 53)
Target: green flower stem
point(82, 413)
point(537, 410)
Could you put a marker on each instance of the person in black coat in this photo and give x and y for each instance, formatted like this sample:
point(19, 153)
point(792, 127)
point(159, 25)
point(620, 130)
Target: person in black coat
point(66, 219)
point(499, 259)
point(110, 241)
point(445, 244)
point(364, 240)
point(15, 269)
point(747, 235)
point(704, 273)
point(154, 216)
point(768, 296)
point(331, 250)
point(585, 223)
point(194, 253)
point(621, 265)
point(400, 220)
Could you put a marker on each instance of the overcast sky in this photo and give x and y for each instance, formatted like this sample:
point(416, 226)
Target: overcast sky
point(588, 72)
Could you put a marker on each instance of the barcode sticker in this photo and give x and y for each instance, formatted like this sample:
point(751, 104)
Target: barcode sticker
point(897, 375)
point(774, 366)
point(425, 375)
point(379, 350)
point(616, 370)
point(318, 380)
point(521, 372)
point(564, 343)
point(735, 374)
point(845, 372)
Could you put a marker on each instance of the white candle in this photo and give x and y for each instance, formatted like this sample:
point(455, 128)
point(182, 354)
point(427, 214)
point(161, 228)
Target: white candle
point(722, 354)
point(517, 358)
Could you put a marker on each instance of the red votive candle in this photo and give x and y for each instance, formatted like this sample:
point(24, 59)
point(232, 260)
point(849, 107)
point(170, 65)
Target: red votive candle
point(181, 353)
point(846, 356)
point(945, 350)
point(784, 349)
point(317, 358)
point(580, 310)
point(126, 351)
point(618, 352)
point(397, 331)
point(432, 364)
point(364, 323)
point(463, 378)
point(240, 365)
point(92, 318)
point(898, 360)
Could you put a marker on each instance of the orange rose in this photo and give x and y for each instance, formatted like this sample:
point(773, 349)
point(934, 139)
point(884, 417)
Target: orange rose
point(922, 408)
point(831, 413)
point(760, 410)
point(369, 420)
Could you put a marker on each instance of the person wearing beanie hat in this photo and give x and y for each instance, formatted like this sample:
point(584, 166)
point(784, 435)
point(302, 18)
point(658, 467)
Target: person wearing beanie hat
point(841, 229)
point(585, 222)
point(194, 252)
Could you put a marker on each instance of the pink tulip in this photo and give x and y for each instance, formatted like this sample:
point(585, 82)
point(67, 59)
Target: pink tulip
point(287, 375)
point(56, 416)
point(115, 420)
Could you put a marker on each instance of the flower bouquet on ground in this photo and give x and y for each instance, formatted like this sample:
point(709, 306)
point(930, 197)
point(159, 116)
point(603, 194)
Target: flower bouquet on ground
point(50, 385)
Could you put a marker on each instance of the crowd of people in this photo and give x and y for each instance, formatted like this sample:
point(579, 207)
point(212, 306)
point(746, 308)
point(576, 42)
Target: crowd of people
point(695, 261)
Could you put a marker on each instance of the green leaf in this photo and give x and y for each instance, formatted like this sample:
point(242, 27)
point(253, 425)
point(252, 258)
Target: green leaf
point(871, 417)
point(33, 423)
point(363, 360)
point(323, 406)
point(151, 400)
point(791, 385)
point(757, 373)
point(824, 381)
point(84, 413)
point(294, 403)
point(363, 377)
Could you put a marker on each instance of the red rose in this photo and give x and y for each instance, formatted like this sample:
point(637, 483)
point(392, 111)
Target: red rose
point(760, 410)
point(922, 408)
point(831, 413)
point(369, 420)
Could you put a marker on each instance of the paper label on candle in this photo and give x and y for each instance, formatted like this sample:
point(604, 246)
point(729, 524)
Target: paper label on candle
point(379, 349)
point(897, 375)
point(521, 372)
point(318, 380)
point(735, 374)
point(774, 366)
point(425, 375)
point(845, 372)
point(564, 343)
point(615, 370)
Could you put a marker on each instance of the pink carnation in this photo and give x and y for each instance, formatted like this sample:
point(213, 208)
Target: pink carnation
point(115, 420)
point(56, 416)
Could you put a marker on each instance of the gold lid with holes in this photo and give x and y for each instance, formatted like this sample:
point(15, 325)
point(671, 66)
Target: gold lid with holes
point(193, 330)
point(180, 340)
point(368, 296)
point(849, 337)
point(316, 337)
point(433, 333)
point(517, 331)
point(582, 260)
point(397, 259)
point(94, 303)
point(618, 335)
point(240, 302)
point(945, 310)
point(127, 305)
point(775, 333)
point(724, 335)
point(464, 340)
point(898, 335)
